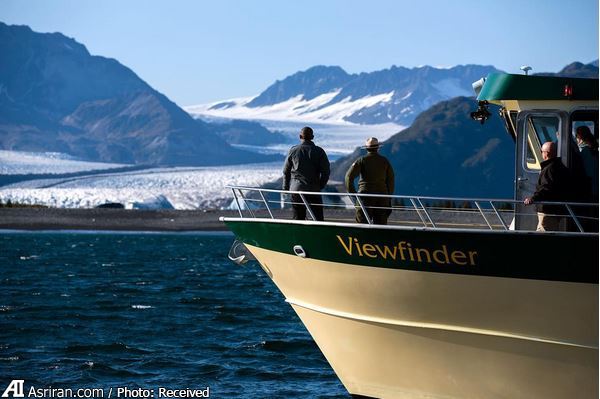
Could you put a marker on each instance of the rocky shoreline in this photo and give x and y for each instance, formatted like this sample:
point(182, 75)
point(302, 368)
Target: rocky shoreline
point(112, 219)
point(135, 219)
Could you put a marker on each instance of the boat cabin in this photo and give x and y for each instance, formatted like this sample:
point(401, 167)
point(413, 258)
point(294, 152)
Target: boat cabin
point(535, 110)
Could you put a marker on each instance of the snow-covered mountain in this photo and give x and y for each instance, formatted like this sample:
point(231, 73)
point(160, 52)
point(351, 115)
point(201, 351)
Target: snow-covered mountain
point(327, 94)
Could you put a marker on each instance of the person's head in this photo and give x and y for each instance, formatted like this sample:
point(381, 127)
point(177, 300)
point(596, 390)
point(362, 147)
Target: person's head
point(306, 133)
point(372, 144)
point(584, 135)
point(548, 150)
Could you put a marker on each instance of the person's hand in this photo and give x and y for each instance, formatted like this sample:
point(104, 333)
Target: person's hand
point(528, 201)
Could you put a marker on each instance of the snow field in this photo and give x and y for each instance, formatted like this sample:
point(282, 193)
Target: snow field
point(21, 162)
point(179, 188)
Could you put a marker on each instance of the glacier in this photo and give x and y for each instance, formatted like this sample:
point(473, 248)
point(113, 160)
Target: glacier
point(23, 162)
point(157, 188)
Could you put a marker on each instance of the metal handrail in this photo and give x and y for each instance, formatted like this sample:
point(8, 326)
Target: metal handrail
point(397, 196)
point(418, 206)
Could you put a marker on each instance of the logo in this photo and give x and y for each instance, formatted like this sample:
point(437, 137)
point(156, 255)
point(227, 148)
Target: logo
point(16, 387)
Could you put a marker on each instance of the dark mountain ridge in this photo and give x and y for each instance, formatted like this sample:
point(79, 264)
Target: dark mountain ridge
point(248, 133)
point(576, 70)
point(55, 96)
point(446, 153)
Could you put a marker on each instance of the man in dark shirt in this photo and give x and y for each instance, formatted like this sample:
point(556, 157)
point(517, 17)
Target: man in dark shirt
point(306, 168)
point(554, 184)
point(376, 177)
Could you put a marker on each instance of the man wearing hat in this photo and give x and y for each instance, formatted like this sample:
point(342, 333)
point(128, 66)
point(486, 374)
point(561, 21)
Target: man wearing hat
point(306, 168)
point(376, 177)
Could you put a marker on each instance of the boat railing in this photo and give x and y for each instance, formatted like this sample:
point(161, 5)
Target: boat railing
point(417, 211)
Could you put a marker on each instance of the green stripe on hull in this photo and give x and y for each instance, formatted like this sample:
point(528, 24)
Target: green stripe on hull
point(569, 258)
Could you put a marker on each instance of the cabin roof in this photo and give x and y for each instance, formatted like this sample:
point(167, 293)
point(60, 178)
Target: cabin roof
point(502, 86)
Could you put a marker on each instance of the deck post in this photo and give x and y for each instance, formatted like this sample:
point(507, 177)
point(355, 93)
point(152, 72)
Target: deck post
point(483, 215)
point(575, 219)
point(412, 200)
point(364, 210)
point(499, 216)
point(247, 205)
point(237, 202)
point(266, 203)
point(426, 213)
point(308, 209)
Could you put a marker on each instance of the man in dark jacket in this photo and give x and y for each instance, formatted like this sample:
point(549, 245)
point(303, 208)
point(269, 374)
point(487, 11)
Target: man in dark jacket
point(306, 168)
point(376, 177)
point(554, 184)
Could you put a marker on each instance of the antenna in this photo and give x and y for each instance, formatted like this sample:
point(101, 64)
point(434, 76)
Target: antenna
point(526, 69)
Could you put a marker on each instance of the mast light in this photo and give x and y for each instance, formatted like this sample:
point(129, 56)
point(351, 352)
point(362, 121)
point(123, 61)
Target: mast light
point(526, 69)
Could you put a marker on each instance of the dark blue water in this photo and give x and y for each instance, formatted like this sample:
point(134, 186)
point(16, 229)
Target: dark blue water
point(150, 310)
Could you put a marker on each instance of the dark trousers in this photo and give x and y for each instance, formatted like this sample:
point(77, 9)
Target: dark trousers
point(373, 205)
point(314, 202)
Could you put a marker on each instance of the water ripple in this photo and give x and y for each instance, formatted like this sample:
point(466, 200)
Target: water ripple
point(151, 310)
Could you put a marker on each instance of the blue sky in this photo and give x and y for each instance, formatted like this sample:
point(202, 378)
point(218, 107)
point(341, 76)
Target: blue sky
point(200, 51)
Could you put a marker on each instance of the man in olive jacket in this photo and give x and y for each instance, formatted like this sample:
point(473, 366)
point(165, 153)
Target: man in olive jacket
point(554, 184)
point(376, 177)
point(306, 168)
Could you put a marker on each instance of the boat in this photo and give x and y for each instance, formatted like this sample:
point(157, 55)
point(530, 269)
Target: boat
point(449, 302)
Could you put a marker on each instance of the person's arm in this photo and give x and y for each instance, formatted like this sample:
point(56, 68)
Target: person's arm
point(351, 174)
point(325, 171)
point(390, 179)
point(287, 172)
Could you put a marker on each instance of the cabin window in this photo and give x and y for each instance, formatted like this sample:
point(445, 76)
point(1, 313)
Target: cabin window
point(540, 129)
point(584, 118)
point(588, 118)
point(589, 124)
point(576, 124)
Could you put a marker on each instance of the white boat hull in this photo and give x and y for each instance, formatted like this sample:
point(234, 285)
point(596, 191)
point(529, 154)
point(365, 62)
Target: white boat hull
point(394, 333)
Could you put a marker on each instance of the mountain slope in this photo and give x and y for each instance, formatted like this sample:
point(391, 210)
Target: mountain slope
point(445, 153)
point(248, 133)
point(55, 96)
